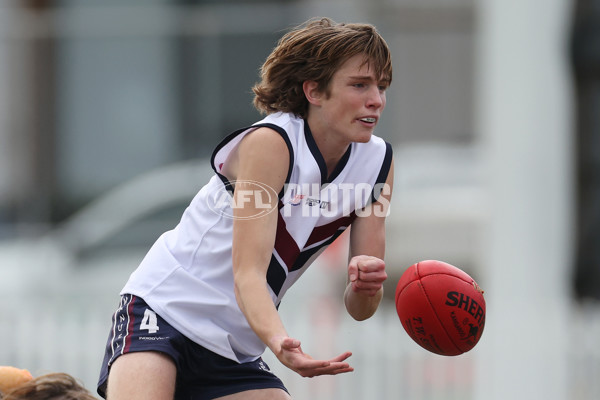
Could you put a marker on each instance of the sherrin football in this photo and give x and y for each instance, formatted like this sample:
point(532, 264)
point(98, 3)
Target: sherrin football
point(441, 307)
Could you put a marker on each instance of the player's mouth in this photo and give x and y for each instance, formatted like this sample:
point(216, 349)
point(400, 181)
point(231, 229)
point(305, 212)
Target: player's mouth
point(370, 121)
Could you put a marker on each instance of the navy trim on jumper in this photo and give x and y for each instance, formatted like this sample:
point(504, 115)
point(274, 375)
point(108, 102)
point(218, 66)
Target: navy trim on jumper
point(314, 149)
point(383, 172)
point(230, 137)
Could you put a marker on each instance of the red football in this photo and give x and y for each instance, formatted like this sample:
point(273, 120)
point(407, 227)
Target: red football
point(441, 307)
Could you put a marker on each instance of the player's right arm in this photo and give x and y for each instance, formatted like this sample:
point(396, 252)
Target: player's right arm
point(263, 156)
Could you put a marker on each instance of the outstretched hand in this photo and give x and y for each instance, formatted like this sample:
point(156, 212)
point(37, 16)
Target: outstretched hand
point(291, 355)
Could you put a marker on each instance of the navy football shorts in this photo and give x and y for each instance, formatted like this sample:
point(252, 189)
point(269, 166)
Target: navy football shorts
point(201, 374)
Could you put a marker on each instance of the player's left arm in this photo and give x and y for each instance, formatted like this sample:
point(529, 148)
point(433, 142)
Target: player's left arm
point(366, 269)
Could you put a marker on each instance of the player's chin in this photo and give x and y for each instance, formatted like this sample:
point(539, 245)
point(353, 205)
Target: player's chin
point(363, 137)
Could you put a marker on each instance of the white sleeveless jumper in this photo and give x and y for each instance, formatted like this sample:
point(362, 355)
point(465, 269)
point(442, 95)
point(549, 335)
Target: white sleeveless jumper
point(187, 275)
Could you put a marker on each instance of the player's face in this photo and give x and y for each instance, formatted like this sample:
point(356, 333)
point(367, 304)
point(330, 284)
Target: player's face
point(354, 101)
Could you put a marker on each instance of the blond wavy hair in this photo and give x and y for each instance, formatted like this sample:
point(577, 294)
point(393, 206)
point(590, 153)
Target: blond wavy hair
point(314, 51)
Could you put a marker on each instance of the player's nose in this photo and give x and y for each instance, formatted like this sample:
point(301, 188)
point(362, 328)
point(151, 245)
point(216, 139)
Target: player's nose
point(375, 98)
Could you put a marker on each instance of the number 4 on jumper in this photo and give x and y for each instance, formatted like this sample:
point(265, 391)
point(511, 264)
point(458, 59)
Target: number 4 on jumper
point(149, 321)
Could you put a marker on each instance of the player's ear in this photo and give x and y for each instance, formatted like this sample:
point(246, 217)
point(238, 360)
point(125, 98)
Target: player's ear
point(312, 92)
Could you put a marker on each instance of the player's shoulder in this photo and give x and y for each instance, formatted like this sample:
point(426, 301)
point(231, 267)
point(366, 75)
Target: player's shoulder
point(265, 139)
point(281, 119)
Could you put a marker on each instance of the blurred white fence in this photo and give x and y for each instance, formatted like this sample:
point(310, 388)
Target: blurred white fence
point(44, 337)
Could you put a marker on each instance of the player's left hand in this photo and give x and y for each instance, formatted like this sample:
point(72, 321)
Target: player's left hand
point(366, 274)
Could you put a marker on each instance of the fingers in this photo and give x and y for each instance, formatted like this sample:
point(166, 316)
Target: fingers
point(367, 274)
point(375, 276)
point(368, 264)
point(331, 369)
point(334, 366)
point(337, 365)
point(293, 357)
point(353, 271)
point(366, 268)
point(341, 357)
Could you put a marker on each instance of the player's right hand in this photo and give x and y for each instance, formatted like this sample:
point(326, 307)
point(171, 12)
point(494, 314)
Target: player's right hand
point(291, 355)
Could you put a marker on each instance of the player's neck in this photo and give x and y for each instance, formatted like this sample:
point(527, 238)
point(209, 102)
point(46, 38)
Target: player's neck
point(330, 147)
